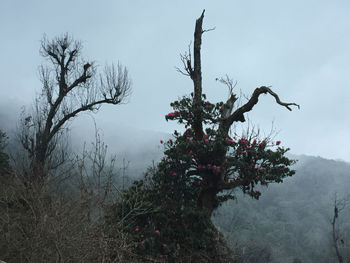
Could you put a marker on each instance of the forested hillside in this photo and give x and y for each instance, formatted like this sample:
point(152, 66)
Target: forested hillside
point(293, 219)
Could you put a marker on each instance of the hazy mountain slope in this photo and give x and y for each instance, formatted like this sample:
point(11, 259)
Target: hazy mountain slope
point(291, 219)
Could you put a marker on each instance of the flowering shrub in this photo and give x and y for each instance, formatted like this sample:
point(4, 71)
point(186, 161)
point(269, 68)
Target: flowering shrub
point(174, 217)
point(222, 161)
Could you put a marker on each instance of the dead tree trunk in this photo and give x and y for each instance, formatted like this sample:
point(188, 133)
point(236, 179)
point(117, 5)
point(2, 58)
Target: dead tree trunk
point(338, 206)
point(212, 185)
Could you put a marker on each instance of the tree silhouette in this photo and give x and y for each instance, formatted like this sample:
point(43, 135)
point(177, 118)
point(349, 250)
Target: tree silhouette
point(70, 85)
point(339, 205)
point(219, 160)
point(198, 172)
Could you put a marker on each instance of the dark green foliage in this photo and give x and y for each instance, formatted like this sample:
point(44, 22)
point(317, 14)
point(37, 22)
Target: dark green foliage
point(296, 260)
point(161, 212)
point(162, 224)
point(232, 161)
point(4, 158)
point(169, 212)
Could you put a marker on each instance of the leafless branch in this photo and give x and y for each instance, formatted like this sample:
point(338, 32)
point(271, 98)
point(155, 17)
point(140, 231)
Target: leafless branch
point(228, 82)
point(238, 115)
point(186, 60)
point(70, 87)
point(207, 30)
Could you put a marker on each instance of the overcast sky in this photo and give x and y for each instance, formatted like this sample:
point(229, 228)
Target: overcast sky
point(301, 48)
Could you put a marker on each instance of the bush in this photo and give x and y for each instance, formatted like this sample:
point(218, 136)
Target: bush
point(4, 158)
point(165, 224)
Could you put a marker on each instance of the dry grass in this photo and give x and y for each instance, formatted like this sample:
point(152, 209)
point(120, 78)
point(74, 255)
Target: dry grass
point(38, 226)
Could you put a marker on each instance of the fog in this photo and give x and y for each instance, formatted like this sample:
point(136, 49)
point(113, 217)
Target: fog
point(299, 48)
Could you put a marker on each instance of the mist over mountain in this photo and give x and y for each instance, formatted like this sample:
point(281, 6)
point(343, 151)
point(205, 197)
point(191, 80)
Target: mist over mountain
point(10, 110)
point(290, 221)
point(102, 77)
point(140, 148)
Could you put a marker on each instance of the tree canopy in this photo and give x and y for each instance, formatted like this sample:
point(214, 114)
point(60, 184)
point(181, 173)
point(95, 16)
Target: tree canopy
point(169, 210)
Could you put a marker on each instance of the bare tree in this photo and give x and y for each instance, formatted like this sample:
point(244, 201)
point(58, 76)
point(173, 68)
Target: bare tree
point(339, 205)
point(70, 85)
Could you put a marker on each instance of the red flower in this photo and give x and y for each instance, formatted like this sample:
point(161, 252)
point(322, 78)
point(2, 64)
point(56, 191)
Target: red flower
point(243, 140)
point(262, 144)
point(142, 242)
point(164, 245)
point(157, 231)
point(137, 229)
point(278, 142)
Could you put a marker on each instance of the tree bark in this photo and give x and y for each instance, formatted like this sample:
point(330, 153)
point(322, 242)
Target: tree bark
point(334, 232)
point(207, 200)
point(212, 183)
point(207, 196)
point(196, 76)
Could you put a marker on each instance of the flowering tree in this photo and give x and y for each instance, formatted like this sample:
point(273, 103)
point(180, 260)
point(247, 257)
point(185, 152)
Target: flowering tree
point(168, 212)
point(209, 158)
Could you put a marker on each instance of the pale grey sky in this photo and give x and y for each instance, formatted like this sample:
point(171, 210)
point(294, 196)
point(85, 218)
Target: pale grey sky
point(301, 48)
